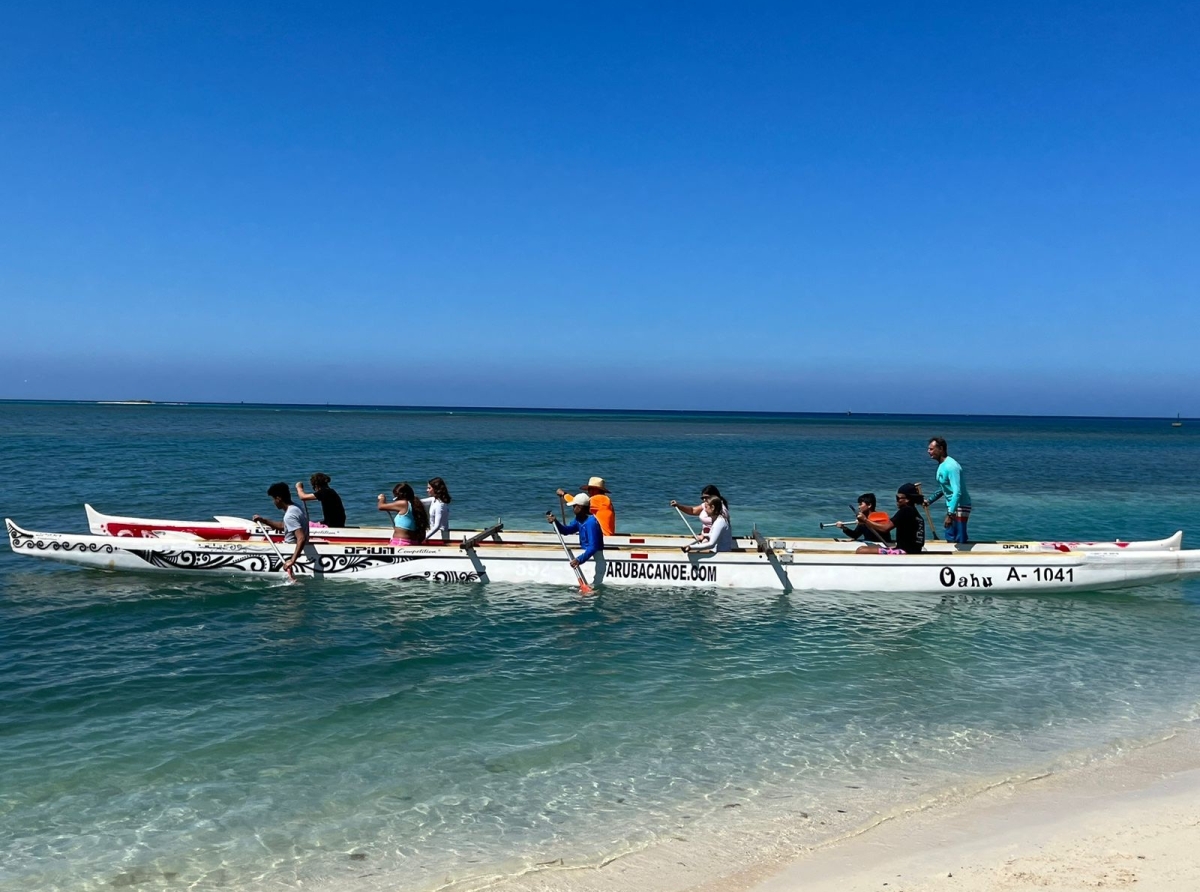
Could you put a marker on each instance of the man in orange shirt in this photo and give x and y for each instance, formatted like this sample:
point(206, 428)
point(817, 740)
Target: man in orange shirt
point(601, 505)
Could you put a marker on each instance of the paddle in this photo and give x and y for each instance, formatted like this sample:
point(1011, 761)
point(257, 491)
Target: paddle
point(925, 508)
point(584, 588)
point(686, 523)
point(880, 517)
point(562, 507)
point(931, 501)
point(874, 517)
point(267, 535)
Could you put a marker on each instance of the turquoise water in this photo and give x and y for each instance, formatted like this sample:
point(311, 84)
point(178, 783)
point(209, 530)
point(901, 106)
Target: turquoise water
point(172, 733)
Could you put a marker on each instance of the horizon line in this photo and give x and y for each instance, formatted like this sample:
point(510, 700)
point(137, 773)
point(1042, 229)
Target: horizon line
point(565, 410)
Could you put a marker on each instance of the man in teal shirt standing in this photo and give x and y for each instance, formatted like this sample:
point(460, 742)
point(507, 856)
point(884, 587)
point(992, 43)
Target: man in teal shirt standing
point(954, 488)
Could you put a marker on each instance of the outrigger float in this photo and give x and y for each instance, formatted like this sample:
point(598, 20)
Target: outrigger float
point(480, 557)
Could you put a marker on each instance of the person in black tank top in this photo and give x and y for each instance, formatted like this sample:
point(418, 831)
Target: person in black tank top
point(907, 522)
point(333, 514)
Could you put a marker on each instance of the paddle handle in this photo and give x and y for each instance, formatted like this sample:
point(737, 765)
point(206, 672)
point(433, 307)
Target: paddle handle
point(584, 588)
point(934, 499)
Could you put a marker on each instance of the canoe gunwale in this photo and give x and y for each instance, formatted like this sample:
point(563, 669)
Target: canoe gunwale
point(239, 529)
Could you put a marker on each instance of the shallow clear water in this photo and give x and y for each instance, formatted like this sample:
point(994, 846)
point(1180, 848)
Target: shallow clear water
point(164, 732)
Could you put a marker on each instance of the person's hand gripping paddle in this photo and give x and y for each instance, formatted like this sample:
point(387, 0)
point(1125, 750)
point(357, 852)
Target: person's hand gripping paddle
point(283, 562)
point(584, 588)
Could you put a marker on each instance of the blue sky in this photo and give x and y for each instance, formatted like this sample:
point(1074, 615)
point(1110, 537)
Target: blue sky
point(795, 207)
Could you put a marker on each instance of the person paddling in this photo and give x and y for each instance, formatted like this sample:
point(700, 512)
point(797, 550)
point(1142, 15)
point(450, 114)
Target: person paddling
point(591, 535)
point(907, 522)
point(601, 505)
point(333, 513)
point(295, 522)
point(866, 509)
point(702, 510)
point(719, 536)
point(411, 520)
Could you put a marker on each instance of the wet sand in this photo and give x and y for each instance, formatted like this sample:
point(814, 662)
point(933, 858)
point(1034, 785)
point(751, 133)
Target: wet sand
point(1128, 820)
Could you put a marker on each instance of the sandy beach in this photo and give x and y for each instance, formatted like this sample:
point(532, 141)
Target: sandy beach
point(1131, 819)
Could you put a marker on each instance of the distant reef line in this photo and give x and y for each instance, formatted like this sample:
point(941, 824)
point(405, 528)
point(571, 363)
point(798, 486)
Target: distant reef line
point(575, 411)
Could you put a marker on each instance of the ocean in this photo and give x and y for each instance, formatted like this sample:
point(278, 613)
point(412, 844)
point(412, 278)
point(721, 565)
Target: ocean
point(163, 732)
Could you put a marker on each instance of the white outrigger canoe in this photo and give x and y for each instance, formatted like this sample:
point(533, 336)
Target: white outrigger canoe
point(479, 558)
point(241, 529)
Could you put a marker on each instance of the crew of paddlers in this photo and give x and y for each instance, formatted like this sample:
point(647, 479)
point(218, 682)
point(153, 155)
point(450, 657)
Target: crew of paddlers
point(420, 521)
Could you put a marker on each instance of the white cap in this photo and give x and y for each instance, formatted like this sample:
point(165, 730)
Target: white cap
point(582, 500)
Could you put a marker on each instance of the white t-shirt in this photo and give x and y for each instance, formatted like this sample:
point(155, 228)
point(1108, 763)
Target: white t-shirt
point(294, 518)
point(439, 518)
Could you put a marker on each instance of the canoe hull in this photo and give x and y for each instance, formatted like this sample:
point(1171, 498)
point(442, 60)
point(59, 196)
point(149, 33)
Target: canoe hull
point(546, 565)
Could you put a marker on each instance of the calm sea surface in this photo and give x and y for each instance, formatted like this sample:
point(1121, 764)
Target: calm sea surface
point(171, 733)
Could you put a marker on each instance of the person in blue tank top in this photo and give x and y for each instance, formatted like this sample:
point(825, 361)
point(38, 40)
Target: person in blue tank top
point(954, 488)
point(409, 517)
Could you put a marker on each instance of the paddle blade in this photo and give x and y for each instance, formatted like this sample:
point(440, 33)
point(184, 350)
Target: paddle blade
point(584, 588)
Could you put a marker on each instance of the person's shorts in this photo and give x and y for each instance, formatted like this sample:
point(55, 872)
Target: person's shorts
point(883, 549)
point(395, 541)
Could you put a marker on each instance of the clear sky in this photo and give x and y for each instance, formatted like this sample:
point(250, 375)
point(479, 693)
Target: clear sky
point(907, 207)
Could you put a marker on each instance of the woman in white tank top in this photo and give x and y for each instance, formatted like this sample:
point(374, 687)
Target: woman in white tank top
point(438, 505)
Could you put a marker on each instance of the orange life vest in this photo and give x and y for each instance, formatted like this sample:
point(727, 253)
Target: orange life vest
point(602, 509)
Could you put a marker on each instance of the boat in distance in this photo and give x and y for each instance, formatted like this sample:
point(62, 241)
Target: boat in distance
point(479, 558)
point(240, 529)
